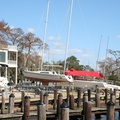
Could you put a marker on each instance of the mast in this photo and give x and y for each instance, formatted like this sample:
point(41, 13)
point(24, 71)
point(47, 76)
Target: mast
point(98, 53)
point(106, 55)
point(68, 34)
point(45, 30)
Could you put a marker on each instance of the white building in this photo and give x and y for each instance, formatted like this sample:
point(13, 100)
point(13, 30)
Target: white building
point(8, 61)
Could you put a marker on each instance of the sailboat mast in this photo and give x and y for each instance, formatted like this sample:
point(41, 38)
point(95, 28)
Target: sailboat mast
point(68, 34)
point(98, 53)
point(106, 55)
point(45, 30)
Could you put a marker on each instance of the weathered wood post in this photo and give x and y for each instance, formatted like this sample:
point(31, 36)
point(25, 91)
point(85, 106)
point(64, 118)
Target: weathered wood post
point(64, 109)
point(112, 98)
point(85, 99)
point(22, 100)
point(115, 90)
point(98, 90)
point(11, 103)
point(119, 99)
point(97, 100)
point(71, 103)
point(26, 108)
point(110, 110)
point(106, 96)
point(41, 96)
point(55, 99)
point(111, 91)
point(41, 111)
point(88, 113)
point(3, 102)
point(68, 95)
point(89, 94)
point(46, 99)
point(79, 98)
point(59, 103)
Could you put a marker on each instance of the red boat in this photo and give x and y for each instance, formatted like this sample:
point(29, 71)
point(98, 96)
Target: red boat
point(76, 73)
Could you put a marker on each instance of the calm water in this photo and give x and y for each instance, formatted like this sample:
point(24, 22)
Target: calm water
point(103, 117)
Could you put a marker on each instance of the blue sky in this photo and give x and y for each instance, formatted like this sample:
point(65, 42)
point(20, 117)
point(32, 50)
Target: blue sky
point(90, 20)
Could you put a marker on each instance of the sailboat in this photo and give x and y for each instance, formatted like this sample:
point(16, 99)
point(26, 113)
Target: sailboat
point(47, 76)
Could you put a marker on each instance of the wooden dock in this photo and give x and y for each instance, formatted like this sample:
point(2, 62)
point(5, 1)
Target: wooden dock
point(79, 104)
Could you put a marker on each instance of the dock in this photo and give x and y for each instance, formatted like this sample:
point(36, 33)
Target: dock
point(77, 104)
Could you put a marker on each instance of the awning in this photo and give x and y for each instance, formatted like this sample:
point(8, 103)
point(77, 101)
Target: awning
point(74, 72)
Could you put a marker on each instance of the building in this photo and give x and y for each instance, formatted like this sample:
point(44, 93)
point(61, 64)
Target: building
point(8, 62)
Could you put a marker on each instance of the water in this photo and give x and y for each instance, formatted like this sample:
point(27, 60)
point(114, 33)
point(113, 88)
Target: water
point(103, 117)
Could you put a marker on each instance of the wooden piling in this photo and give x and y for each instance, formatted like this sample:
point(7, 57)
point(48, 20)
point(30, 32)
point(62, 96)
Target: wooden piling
point(119, 99)
point(46, 100)
point(71, 103)
point(79, 98)
point(68, 94)
point(98, 91)
point(110, 110)
point(115, 90)
point(59, 103)
point(11, 103)
point(88, 113)
point(3, 102)
point(85, 99)
point(106, 96)
point(64, 109)
point(26, 108)
point(22, 100)
point(112, 98)
point(97, 100)
point(41, 96)
point(111, 91)
point(41, 111)
point(89, 94)
point(55, 99)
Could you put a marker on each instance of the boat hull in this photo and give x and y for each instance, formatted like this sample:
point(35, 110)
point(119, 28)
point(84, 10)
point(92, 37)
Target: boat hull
point(45, 78)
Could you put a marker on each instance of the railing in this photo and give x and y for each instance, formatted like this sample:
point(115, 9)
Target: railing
point(12, 62)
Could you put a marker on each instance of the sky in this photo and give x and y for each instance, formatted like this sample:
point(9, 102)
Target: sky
point(94, 27)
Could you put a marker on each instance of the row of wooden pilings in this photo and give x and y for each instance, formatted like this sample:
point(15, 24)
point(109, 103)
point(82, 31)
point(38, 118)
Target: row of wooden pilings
point(62, 106)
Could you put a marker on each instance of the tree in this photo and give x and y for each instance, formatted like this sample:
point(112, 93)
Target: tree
point(4, 30)
point(72, 62)
point(110, 67)
point(29, 42)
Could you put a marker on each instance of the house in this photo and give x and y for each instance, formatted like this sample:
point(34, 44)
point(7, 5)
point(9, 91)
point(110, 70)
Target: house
point(8, 62)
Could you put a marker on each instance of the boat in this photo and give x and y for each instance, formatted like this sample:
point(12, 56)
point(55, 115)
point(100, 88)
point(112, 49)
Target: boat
point(3, 83)
point(47, 76)
point(95, 79)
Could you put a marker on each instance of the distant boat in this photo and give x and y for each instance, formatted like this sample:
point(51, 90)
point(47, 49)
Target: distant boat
point(92, 83)
point(47, 76)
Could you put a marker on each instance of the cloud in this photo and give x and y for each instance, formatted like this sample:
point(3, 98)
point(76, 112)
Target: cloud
point(57, 51)
point(88, 55)
point(54, 38)
point(118, 36)
point(12, 27)
point(75, 51)
point(31, 30)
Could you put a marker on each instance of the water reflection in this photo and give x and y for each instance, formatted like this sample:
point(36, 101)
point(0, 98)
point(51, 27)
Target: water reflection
point(103, 117)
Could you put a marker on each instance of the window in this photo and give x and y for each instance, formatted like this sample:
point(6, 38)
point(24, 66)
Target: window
point(2, 56)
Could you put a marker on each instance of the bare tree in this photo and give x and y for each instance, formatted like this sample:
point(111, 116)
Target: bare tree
point(4, 30)
point(30, 43)
point(15, 36)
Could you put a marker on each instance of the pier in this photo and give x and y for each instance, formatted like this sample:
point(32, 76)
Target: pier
point(60, 105)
